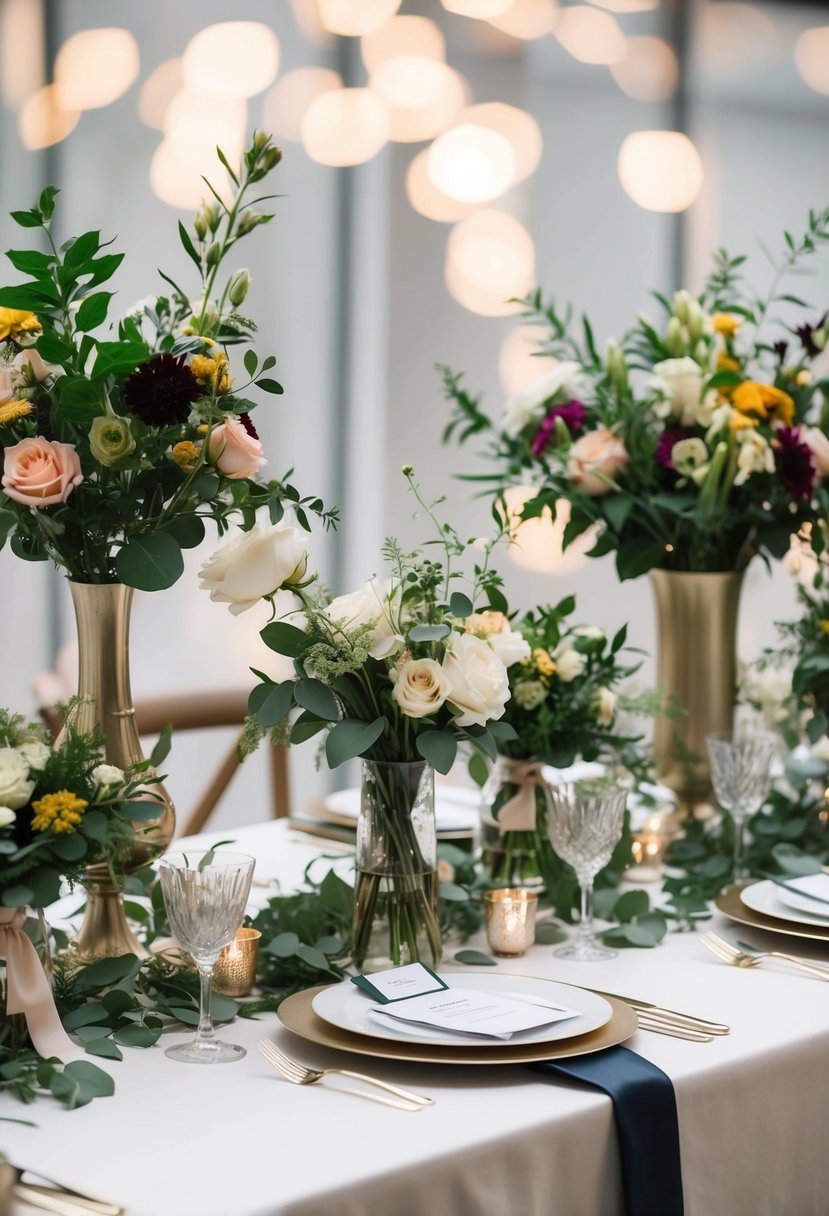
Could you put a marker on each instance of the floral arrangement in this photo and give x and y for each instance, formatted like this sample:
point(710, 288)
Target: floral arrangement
point(119, 439)
point(694, 443)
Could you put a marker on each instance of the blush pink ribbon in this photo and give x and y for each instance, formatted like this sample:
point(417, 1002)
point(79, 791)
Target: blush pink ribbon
point(28, 990)
point(518, 814)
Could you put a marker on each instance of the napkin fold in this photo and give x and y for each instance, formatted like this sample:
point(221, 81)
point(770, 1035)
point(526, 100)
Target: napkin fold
point(644, 1107)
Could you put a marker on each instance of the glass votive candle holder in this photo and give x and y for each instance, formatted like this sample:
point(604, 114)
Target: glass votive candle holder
point(235, 970)
point(510, 920)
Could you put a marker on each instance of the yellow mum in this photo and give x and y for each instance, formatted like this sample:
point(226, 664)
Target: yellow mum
point(13, 410)
point(726, 324)
point(739, 422)
point(184, 454)
point(544, 663)
point(765, 400)
point(823, 626)
point(60, 812)
point(211, 371)
point(14, 321)
point(725, 363)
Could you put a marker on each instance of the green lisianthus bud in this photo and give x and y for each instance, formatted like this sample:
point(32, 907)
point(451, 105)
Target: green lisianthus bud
point(271, 159)
point(248, 221)
point(676, 338)
point(238, 287)
point(617, 368)
point(110, 439)
point(213, 254)
point(683, 303)
point(200, 224)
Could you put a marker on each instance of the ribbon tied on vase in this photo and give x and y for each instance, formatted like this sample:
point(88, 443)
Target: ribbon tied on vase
point(28, 990)
point(518, 813)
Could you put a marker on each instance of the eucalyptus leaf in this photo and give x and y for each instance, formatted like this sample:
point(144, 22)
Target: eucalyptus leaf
point(475, 958)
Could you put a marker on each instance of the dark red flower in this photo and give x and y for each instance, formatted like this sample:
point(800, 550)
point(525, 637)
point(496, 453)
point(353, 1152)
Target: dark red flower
point(161, 391)
point(795, 462)
point(665, 447)
point(805, 332)
point(247, 423)
point(572, 415)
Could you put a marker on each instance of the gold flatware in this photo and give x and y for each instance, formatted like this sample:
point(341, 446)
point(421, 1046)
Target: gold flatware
point(673, 1030)
point(55, 1197)
point(299, 1074)
point(689, 1020)
point(739, 958)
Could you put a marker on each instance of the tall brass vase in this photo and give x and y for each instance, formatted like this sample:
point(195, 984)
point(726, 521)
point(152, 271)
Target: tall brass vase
point(102, 613)
point(697, 668)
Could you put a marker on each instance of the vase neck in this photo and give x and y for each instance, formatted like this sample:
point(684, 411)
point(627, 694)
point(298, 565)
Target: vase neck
point(102, 613)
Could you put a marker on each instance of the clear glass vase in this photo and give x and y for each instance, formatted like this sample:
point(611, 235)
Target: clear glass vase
point(395, 899)
point(520, 857)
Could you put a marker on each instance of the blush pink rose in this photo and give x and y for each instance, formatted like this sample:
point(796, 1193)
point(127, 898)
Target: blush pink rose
point(594, 457)
point(817, 441)
point(6, 385)
point(234, 452)
point(38, 473)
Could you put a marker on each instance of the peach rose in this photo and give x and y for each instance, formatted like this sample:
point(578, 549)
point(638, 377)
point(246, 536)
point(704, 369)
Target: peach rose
point(594, 458)
point(38, 473)
point(817, 441)
point(6, 385)
point(234, 452)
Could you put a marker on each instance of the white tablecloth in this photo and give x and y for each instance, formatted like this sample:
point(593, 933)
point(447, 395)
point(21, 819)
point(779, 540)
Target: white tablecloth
point(236, 1140)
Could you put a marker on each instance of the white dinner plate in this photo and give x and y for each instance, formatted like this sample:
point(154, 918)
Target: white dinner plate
point(346, 1006)
point(456, 809)
point(767, 898)
point(809, 884)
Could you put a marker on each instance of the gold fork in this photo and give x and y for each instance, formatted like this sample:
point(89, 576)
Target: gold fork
point(738, 958)
point(299, 1074)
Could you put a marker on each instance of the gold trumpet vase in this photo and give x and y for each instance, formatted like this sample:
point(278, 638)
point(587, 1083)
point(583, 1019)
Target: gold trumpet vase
point(102, 613)
point(697, 670)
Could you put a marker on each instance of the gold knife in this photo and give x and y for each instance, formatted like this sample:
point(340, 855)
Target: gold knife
point(653, 1010)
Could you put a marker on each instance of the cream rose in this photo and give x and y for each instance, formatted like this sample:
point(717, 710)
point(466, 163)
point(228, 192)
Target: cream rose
point(36, 755)
point(29, 367)
point(38, 473)
point(594, 459)
point(420, 688)
point(478, 683)
point(6, 385)
point(605, 706)
point(688, 455)
point(754, 456)
point(679, 383)
point(234, 452)
point(818, 443)
point(565, 382)
point(255, 564)
point(569, 663)
point(372, 605)
point(7, 816)
point(15, 786)
point(106, 775)
point(509, 646)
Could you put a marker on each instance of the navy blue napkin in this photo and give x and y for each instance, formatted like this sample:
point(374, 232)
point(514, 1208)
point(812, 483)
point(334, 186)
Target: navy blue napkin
point(644, 1106)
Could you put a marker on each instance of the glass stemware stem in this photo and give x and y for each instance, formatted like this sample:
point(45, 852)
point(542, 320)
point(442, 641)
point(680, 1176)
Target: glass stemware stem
point(205, 1032)
point(740, 870)
point(585, 930)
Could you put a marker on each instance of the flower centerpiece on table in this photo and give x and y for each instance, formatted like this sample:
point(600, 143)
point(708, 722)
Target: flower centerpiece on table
point(390, 674)
point(120, 437)
point(564, 696)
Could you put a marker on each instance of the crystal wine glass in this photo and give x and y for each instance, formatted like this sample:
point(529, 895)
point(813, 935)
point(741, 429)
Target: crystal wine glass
point(584, 820)
point(740, 765)
point(205, 894)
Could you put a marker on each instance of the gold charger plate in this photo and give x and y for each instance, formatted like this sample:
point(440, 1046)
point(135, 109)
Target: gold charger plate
point(729, 902)
point(296, 1014)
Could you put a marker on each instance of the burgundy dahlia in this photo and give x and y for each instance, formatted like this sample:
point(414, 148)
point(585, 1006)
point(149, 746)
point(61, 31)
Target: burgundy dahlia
point(247, 423)
point(794, 461)
point(806, 332)
point(572, 415)
point(665, 447)
point(161, 391)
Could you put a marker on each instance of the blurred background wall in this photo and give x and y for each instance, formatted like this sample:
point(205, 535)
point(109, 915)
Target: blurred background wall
point(360, 294)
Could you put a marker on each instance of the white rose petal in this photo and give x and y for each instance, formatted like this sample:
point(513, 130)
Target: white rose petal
point(754, 456)
point(373, 605)
point(7, 816)
point(679, 384)
point(421, 687)
point(15, 787)
point(478, 680)
point(36, 755)
point(569, 664)
point(255, 564)
point(565, 382)
point(688, 455)
point(510, 647)
point(606, 706)
point(107, 774)
point(590, 631)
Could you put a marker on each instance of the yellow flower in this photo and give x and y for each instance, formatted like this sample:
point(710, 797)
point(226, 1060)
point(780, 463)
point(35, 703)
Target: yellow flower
point(804, 376)
point(184, 454)
point(823, 626)
point(13, 410)
point(544, 662)
point(211, 371)
point(60, 812)
point(14, 321)
point(765, 400)
point(725, 363)
point(739, 422)
point(726, 324)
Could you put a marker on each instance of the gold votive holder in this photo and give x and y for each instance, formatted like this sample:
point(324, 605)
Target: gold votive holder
point(510, 920)
point(235, 970)
point(648, 847)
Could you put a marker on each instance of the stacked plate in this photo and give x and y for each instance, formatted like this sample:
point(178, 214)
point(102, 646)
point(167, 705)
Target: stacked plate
point(338, 1016)
point(800, 908)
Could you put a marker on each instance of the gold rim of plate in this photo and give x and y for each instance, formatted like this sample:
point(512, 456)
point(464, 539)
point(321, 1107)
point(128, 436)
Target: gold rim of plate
point(296, 1014)
point(731, 904)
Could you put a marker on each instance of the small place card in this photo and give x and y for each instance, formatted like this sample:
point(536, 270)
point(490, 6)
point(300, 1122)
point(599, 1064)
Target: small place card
point(400, 983)
point(467, 1012)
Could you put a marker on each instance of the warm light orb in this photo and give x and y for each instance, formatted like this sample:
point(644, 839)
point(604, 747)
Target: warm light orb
point(94, 67)
point(627, 6)
point(345, 127)
point(732, 37)
point(425, 197)
point(527, 19)
point(536, 544)
point(649, 70)
point(490, 259)
point(21, 50)
point(206, 123)
point(231, 59)
point(403, 36)
point(660, 170)
point(484, 10)
point(471, 163)
point(424, 96)
point(591, 36)
point(158, 90)
point(519, 127)
point(286, 104)
point(42, 120)
point(177, 167)
point(519, 364)
point(811, 54)
point(351, 18)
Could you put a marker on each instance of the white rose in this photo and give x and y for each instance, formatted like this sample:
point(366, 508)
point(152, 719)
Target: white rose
point(605, 707)
point(28, 368)
point(7, 816)
point(720, 421)
point(372, 605)
point(478, 683)
point(106, 775)
point(6, 386)
point(679, 382)
point(15, 787)
point(590, 631)
point(569, 663)
point(255, 564)
point(509, 646)
point(819, 750)
point(36, 754)
point(421, 687)
point(565, 382)
point(688, 455)
point(754, 456)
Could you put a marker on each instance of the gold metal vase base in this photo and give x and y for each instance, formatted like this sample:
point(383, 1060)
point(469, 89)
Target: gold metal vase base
point(102, 613)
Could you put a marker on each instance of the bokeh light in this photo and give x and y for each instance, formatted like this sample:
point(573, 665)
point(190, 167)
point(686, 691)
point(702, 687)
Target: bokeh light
point(406, 35)
point(352, 18)
point(231, 59)
point(207, 122)
point(590, 35)
point(490, 258)
point(43, 121)
point(425, 197)
point(537, 543)
point(424, 96)
point(811, 54)
point(158, 90)
point(178, 165)
point(95, 67)
point(519, 127)
point(627, 6)
point(471, 163)
point(527, 19)
point(286, 104)
point(484, 10)
point(649, 70)
point(519, 364)
point(734, 37)
point(345, 127)
point(660, 170)
point(22, 67)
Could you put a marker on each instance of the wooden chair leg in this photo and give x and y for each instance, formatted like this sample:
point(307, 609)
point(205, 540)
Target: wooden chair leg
point(206, 804)
point(280, 783)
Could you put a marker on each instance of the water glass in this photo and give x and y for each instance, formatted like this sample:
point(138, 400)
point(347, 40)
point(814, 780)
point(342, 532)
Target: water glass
point(740, 774)
point(205, 894)
point(585, 820)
